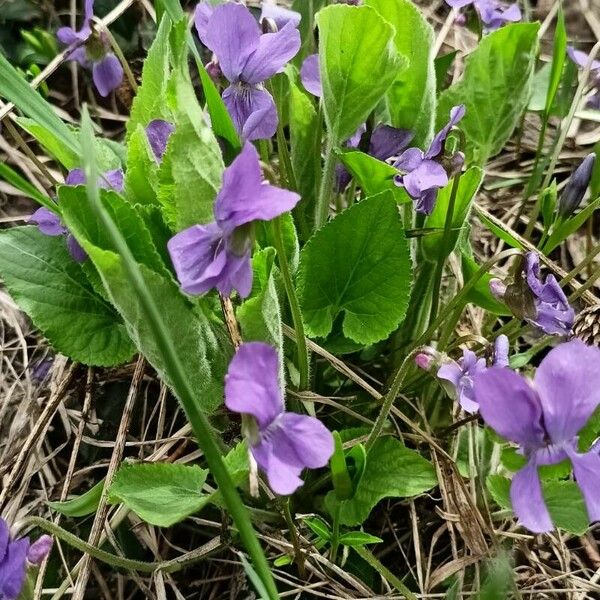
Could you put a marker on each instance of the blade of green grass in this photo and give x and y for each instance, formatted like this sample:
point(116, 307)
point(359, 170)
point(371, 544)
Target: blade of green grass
point(11, 176)
point(178, 375)
point(15, 88)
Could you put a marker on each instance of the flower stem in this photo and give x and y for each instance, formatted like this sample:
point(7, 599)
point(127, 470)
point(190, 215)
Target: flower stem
point(119, 54)
point(439, 268)
point(322, 209)
point(292, 297)
point(294, 538)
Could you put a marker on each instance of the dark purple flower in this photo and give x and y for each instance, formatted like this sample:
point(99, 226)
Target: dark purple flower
point(218, 255)
point(15, 555)
point(159, 132)
point(576, 187)
point(544, 418)
point(581, 59)
point(282, 443)
point(49, 223)
point(247, 58)
point(552, 312)
point(93, 52)
point(493, 14)
point(279, 15)
point(461, 374)
point(422, 173)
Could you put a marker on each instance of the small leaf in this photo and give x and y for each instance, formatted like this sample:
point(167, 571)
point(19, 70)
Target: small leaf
point(159, 493)
point(495, 88)
point(359, 62)
point(392, 471)
point(52, 289)
point(80, 506)
point(357, 265)
point(319, 527)
point(358, 538)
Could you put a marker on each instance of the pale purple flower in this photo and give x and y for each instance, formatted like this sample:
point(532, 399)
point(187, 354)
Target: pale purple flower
point(159, 132)
point(247, 59)
point(461, 374)
point(422, 174)
point(552, 312)
point(310, 75)
point(282, 443)
point(50, 223)
point(576, 187)
point(92, 51)
point(544, 417)
point(218, 255)
point(493, 13)
point(15, 556)
point(581, 59)
point(279, 15)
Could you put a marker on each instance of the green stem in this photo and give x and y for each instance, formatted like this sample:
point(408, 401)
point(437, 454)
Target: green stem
point(335, 541)
point(167, 566)
point(285, 162)
point(439, 269)
point(174, 367)
point(290, 291)
point(389, 398)
point(372, 560)
point(322, 209)
point(299, 556)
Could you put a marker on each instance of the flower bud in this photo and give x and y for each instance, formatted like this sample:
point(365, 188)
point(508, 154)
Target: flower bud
point(38, 551)
point(497, 288)
point(428, 358)
point(576, 187)
point(214, 71)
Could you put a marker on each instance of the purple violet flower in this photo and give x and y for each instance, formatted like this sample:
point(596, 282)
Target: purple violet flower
point(93, 52)
point(310, 75)
point(493, 14)
point(279, 15)
point(461, 374)
point(247, 59)
point(576, 187)
point(581, 59)
point(422, 173)
point(159, 132)
point(49, 223)
point(282, 443)
point(217, 255)
point(15, 556)
point(552, 312)
point(544, 418)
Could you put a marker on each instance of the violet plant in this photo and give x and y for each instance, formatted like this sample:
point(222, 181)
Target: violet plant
point(288, 230)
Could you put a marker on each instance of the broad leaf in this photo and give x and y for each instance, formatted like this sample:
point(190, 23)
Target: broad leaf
point(495, 89)
point(358, 266)
point(141, 177)
point(159, 493)
point(392, 471)
point(468, 186)
point(359, 62)
point(410, 101)
point(52, 289)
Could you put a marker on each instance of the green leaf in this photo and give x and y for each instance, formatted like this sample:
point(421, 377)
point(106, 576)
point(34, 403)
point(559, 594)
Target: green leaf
point(358, 538)
point(319, 527)
point(495, 89)
point(442, 66)
point(141, 176)
point(200, 340)
point(14, 88)
point(52, 289)
point(499, 580)
point(392, 471)
point(503, 234)
point(357, 265)
point(191, 169)
point(11, 176)
point(411, 100)
point(305, 149)
point(149, 102)
point(161, 494)
point(468, 187)
point(359, 62)
point(563, 499)
point(559, 56)
point(260, 314)
point(374, 176)
point(80, 506)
